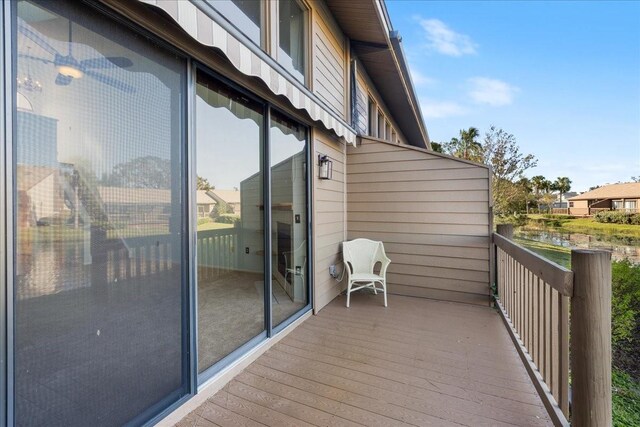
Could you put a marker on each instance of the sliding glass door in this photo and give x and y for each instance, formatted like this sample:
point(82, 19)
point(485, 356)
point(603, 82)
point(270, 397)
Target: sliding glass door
point(233, 133)
point(100, 285)
point(288, 159)
point(230, 239)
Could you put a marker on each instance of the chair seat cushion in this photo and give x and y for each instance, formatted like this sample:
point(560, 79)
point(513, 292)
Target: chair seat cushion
point(365, 277)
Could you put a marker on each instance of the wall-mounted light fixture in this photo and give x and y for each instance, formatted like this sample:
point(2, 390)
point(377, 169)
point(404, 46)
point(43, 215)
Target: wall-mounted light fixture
point(325, 167)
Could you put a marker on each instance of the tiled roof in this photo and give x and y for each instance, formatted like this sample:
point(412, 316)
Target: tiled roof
point(628, 190)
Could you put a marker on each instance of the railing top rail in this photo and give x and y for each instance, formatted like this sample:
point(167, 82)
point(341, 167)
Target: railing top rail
point(558, 277)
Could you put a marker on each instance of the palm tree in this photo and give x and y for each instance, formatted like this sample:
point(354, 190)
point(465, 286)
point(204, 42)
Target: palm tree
point(563, 185)
point(537, 182)
point(466, 147)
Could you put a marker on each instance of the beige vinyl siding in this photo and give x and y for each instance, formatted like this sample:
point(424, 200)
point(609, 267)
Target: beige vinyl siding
point(329, 58)
point(431, 212)
point(329, 219)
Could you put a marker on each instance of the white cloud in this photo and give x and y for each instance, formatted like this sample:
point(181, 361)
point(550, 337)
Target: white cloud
point(444, 40)
point(491, 91)
point(420, 79)
point(441, 109)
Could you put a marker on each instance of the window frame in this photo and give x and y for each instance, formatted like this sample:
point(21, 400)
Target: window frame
point(264, 24)
point(307, 33)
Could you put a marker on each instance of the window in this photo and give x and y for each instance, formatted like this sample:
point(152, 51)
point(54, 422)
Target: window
point(246, 15)
point(380, 125)
point(291, 37)
point(373, 127)
point(387, 131)
point(100, 284)
point(570, 204)
point(629, 204)
point(617, 204)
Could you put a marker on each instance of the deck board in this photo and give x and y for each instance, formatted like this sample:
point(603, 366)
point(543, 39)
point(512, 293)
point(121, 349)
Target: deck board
point(417, 362)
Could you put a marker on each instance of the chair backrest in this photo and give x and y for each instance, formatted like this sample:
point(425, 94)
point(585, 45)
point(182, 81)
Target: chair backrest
point(361, 255)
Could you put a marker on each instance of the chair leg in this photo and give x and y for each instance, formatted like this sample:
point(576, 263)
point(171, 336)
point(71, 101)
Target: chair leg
point(348, 294)
point(384, 287)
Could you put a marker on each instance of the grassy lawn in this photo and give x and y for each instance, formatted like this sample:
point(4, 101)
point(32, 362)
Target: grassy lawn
point(585, 225)
point(213, 226)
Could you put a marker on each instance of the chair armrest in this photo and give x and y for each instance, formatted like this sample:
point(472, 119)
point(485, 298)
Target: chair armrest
point(385, 261)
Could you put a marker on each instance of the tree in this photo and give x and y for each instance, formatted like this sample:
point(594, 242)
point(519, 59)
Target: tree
point(635, 178)
point(437, 147)
point(501, 152)
point(562, 184)
point(141, 172)
point(204, 184)
point(466, 146)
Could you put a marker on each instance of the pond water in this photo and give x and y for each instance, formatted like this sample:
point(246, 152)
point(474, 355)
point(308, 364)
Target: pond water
point(620, 247)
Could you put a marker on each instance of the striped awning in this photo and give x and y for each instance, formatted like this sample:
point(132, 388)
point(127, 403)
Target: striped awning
point(209, 33)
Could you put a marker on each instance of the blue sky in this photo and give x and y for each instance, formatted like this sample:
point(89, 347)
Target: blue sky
point(563, 77)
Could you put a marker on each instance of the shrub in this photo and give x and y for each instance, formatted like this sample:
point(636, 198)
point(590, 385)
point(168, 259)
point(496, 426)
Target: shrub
point(617, 217)
point(228, 219)
point(202, 221)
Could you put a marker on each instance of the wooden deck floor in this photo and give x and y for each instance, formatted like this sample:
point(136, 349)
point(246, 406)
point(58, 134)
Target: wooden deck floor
point(418, 362)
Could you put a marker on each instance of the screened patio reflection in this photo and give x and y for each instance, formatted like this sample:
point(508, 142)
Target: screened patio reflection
point(99, 286)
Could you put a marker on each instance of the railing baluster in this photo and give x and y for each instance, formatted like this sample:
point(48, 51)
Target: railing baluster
point(563, 327)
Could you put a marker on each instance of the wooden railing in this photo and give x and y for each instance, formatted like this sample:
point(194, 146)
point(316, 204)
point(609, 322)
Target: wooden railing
point(143, 256)
point(537, 298)
point(218, 252)
point(560, 211)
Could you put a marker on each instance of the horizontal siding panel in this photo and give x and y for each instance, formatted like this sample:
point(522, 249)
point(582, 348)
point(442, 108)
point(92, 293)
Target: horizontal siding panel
point(423, 175)
point(455, 229)
point(328, 67)
point(438, 261)
point(442, 272)
point(437, 251)
point(413, 206)
point(421, 218)
point(437, 240)
point(453, 185)
point(420, 196)
point(410, 165)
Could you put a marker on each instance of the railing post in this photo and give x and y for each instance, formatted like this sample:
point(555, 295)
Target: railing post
point(591, 338)
point(505, 230)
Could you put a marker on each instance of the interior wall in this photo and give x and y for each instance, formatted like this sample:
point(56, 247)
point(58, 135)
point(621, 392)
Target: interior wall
point(432, 213)
point(329, 224)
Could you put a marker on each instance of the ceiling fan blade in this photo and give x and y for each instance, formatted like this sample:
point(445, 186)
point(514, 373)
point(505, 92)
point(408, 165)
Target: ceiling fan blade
point(111, 81)
point(35, 58)
point(62, 80)
point(36, 38)
point(108, 62)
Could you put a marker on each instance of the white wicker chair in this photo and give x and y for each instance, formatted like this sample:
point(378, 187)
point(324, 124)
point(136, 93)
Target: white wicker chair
point(360, 256)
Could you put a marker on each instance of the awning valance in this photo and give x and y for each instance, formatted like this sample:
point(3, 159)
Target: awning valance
point(208, 32)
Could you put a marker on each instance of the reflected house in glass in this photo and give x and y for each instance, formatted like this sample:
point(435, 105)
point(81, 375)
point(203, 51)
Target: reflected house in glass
point(129, 290)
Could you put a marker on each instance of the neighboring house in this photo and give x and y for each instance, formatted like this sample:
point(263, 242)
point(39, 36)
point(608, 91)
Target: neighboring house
point(620, 197)
point(118, 326)
point(205, 203)
point(231, 198)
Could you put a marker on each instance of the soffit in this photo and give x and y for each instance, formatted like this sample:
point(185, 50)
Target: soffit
point(366, 23)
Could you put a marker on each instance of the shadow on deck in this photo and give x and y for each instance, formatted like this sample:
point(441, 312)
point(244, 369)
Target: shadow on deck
point(417, 362)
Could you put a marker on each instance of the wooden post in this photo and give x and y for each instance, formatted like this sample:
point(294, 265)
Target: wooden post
point(505, 230)
point(591, 338)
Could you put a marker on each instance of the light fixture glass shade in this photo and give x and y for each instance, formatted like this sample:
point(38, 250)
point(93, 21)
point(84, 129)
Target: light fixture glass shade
point(325, 166)
point(70, 71)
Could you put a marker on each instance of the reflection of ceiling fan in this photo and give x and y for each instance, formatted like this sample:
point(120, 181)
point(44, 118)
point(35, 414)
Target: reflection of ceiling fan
point(69, 68)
